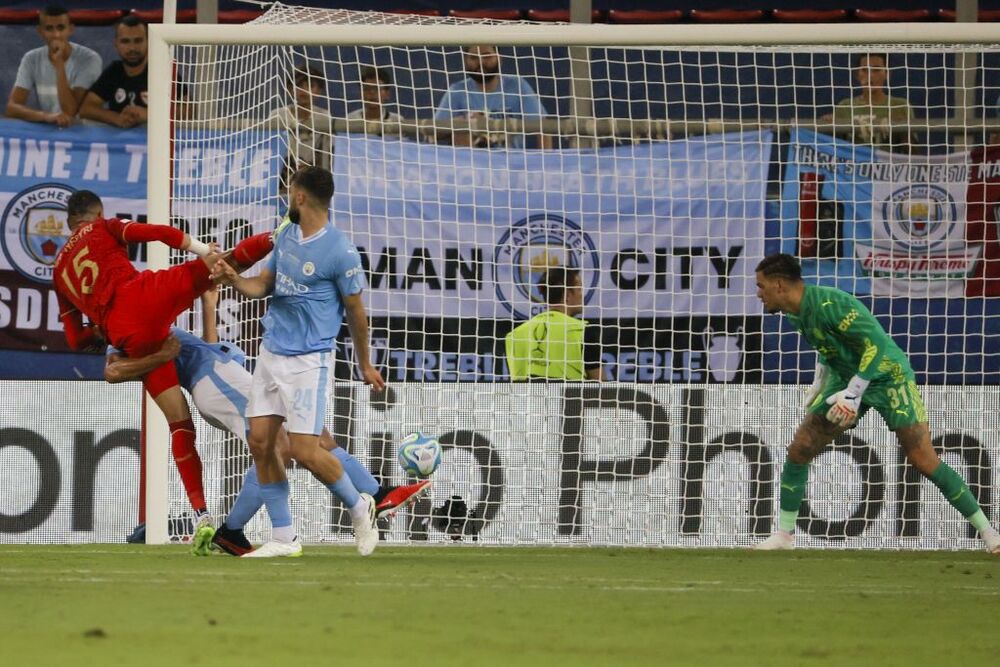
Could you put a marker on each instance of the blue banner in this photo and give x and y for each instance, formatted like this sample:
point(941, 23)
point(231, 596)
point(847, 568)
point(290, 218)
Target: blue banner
point(671, 228)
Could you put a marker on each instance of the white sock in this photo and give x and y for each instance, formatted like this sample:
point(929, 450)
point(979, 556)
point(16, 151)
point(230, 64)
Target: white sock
point(359, 511)
point(284, 534)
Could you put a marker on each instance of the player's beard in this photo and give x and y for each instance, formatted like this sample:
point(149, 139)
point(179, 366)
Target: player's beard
point(294, 215)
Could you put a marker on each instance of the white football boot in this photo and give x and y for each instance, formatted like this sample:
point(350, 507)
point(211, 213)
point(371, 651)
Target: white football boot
point(273, 549)
point(365, 530)
point(779, 541)
point(992, 539)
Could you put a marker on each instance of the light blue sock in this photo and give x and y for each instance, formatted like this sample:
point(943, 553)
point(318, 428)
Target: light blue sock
point(275, 496)
point(362, 479)
point(344, 489)
point(247, 503)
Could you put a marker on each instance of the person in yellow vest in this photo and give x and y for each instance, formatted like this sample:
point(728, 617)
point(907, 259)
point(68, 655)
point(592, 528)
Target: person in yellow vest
point(556, 344)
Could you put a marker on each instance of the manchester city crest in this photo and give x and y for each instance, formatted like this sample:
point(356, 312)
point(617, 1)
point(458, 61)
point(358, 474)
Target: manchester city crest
point(918, 217)
point(530, 248)
point(34, 229)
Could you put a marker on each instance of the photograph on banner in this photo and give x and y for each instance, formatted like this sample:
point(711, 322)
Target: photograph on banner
point(685, 349)
point(673, 228)
point(889, 224)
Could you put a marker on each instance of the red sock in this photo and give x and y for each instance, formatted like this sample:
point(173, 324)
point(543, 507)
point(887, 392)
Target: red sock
point(188, 462)
point(250, 251)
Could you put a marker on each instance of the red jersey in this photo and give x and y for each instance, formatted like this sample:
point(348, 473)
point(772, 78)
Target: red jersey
point(94, 263)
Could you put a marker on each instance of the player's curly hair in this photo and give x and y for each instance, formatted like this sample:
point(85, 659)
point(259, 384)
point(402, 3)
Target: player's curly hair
point(79, 205)
point(554, 283)
point(780, 265)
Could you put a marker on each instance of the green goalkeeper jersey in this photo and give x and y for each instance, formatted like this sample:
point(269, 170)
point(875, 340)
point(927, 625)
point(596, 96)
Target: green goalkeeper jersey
point(848, 338)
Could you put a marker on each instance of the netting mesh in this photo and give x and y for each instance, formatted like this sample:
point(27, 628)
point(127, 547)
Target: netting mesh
point(664, 175)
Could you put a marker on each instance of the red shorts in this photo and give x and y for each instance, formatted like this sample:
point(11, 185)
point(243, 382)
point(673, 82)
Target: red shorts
point(144, 309)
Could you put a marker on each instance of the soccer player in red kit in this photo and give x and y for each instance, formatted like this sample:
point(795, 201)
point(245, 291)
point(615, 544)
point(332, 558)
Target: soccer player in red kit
point(133, 311)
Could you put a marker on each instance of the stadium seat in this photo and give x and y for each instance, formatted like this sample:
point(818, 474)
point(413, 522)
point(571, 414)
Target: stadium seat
point(726, 15)
point(239, 15)
point(985, 15)
point(893, 15)
point(554, 15)
point(18, 16)
point(644, 16)
point(495, 14)
point(95, 16)
point(156, 15)
point(810, 15)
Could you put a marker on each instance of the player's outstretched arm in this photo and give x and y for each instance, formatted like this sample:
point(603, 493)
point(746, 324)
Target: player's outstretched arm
point(357, 324)
point(119, 368)
point(209, 305)
point(129, 231)
point(256, 287)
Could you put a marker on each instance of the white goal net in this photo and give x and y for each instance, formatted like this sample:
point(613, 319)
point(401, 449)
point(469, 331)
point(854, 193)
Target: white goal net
point(662, 171)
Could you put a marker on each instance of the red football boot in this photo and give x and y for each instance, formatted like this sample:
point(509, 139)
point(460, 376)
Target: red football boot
point(399, 497)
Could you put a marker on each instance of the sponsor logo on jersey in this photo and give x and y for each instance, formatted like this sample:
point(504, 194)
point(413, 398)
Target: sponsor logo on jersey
point(34, 229)
point(531, 247)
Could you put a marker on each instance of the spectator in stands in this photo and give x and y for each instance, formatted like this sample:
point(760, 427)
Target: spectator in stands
point(873, 114)
point(59, 73)
point(118, 97)
point(309, 124)
point(485, 92)
point(556, 344)
point(376, 93)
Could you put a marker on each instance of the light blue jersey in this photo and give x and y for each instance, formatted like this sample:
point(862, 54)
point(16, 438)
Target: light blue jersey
point(514, 97)
point(197, 358)
point(311, 277)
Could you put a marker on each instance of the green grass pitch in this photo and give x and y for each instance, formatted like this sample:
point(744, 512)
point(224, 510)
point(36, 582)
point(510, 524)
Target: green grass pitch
point(122, 605)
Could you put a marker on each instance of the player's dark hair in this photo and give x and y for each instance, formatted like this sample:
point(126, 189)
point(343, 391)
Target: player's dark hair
point(317, 182)
point(780, 265)
point(79, 204)
point(52, 10)
point(381, 74)
point(555, 282)
point(131, 21)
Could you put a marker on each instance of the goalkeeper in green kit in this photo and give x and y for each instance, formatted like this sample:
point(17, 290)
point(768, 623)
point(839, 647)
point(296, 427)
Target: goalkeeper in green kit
point(859, 367)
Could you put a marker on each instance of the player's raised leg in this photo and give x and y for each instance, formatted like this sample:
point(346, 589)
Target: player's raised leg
point(305, 448)
point(915, 439)
point(811, 437)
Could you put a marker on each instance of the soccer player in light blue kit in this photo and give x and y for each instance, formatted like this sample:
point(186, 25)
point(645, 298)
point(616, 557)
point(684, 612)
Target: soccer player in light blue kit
point(215, 375)
point(315, 279)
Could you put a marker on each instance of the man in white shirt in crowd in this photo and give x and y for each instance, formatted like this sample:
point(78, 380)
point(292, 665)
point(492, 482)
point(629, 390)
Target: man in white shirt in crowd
point(59, 73)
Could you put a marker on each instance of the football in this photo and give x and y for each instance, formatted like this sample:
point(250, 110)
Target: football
point(419, 454)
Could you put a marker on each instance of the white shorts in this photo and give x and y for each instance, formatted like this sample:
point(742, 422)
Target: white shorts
point(221, 397)
point(295, 388)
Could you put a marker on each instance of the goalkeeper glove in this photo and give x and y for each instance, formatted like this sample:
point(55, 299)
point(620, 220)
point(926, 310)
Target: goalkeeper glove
point(846, 403)
point(816, 387)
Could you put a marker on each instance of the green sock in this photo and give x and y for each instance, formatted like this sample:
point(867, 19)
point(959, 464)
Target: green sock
point(793, 488)
point(957, 492)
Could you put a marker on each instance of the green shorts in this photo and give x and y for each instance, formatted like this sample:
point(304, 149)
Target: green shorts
point(897, 399)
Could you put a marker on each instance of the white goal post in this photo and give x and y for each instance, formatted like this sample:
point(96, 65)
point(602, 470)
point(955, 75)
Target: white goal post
point(743, 402)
